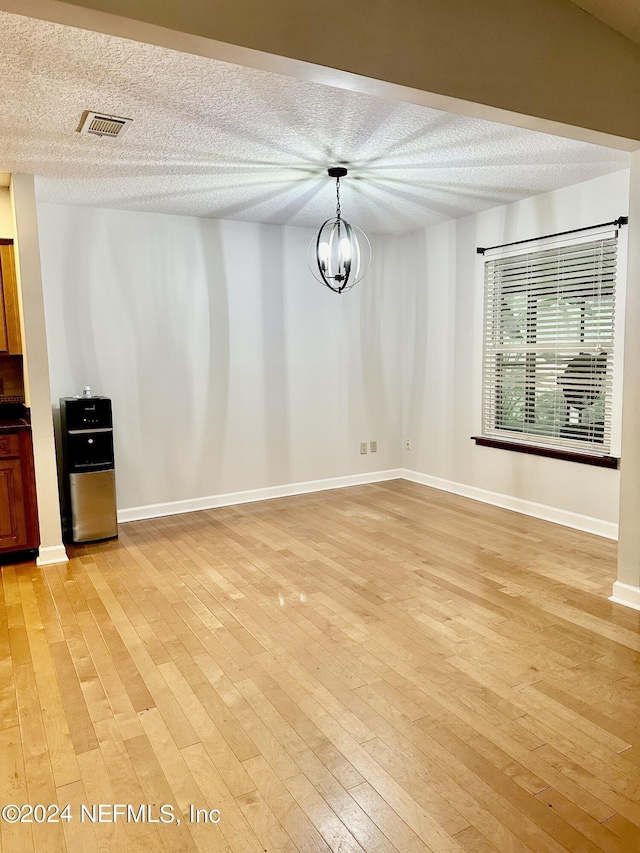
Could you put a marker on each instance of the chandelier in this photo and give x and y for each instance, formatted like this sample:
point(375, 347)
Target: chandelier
point(340, 254)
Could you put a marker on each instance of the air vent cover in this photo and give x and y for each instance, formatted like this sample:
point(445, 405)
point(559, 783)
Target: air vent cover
point(100, 124)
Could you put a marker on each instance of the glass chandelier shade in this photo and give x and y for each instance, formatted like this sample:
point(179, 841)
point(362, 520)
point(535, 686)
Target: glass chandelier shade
point(340, 254)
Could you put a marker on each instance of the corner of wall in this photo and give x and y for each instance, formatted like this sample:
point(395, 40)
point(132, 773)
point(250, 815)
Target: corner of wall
point(27, 252)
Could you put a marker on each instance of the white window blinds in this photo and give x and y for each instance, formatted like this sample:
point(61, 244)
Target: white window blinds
point(548, 346)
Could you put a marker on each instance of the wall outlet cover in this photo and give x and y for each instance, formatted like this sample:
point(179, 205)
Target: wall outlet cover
point(363, 447)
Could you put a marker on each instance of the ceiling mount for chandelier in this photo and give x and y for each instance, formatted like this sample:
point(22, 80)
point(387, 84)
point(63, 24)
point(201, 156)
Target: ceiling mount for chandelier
point(340, 254)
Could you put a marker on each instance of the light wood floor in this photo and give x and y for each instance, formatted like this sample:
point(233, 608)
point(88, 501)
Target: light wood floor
point(382, 668)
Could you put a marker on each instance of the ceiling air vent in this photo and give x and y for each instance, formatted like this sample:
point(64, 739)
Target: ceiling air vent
point(99, 124)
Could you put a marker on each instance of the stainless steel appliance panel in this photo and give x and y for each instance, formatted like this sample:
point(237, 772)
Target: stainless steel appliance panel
point(93, 505)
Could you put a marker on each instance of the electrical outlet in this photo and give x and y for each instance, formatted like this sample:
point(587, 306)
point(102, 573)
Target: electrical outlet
point(407, 444)
point(363, 447)
point(373, 446)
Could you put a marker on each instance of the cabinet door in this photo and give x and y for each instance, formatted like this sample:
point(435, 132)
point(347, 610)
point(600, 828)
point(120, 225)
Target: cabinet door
point(10, 337)
point(13, 527)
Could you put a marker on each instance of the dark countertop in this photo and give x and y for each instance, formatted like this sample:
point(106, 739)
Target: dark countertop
point(14, 416)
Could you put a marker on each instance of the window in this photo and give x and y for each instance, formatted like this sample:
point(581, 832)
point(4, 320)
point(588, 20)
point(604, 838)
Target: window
point(548, 347)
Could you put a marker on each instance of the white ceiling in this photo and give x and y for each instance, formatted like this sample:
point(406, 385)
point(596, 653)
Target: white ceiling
point(219, 140)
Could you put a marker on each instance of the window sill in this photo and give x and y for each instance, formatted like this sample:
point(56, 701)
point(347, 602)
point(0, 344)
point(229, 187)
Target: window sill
point(550, 452)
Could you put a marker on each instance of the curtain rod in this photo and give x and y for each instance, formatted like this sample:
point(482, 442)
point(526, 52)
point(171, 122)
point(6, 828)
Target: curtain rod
point(621, 220)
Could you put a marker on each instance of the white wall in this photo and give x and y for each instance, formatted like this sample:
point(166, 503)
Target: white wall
point(442, 353)
point(627, 587)
point(229, 367)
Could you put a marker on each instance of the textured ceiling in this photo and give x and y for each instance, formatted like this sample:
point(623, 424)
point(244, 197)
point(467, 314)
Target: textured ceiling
point(218, 140)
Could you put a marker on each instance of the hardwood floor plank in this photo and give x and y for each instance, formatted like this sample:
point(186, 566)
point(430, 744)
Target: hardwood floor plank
point(559, 835)
point(82, 732)
point(297, 731)
point(589, 781)
point(327, 823)
point(625, 830)
point(265, 824)
point(474, 842)
point(124, 782)
point(379, 669)
point(157, 791)
point(389, 821)
point(96, 788)
point(251, 721)
point(623, 733)
point(187, 688)
point(599, 834)
point(234, 828)
point(180, 779)
point(116, 693)
point(13, 790)
point(80, 835)
point(297, 824)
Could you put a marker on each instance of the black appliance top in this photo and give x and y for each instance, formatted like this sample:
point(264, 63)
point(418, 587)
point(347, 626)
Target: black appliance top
point(81, 413)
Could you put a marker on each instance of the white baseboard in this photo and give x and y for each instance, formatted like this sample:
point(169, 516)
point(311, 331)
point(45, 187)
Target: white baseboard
point(559, 516)
point(607, 529)
point(137, 513)
point(624, 593)
point(52, 554)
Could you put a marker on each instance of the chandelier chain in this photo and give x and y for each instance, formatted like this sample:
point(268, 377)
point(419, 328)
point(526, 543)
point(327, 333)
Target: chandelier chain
point(337, 198)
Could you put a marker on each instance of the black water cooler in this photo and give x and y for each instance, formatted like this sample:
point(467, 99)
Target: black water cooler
point(89, 468)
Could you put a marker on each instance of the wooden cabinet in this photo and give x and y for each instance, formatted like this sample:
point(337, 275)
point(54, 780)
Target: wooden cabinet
point(10, 338)
point(18, 507)
point(19, 529)
point(11, 366)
